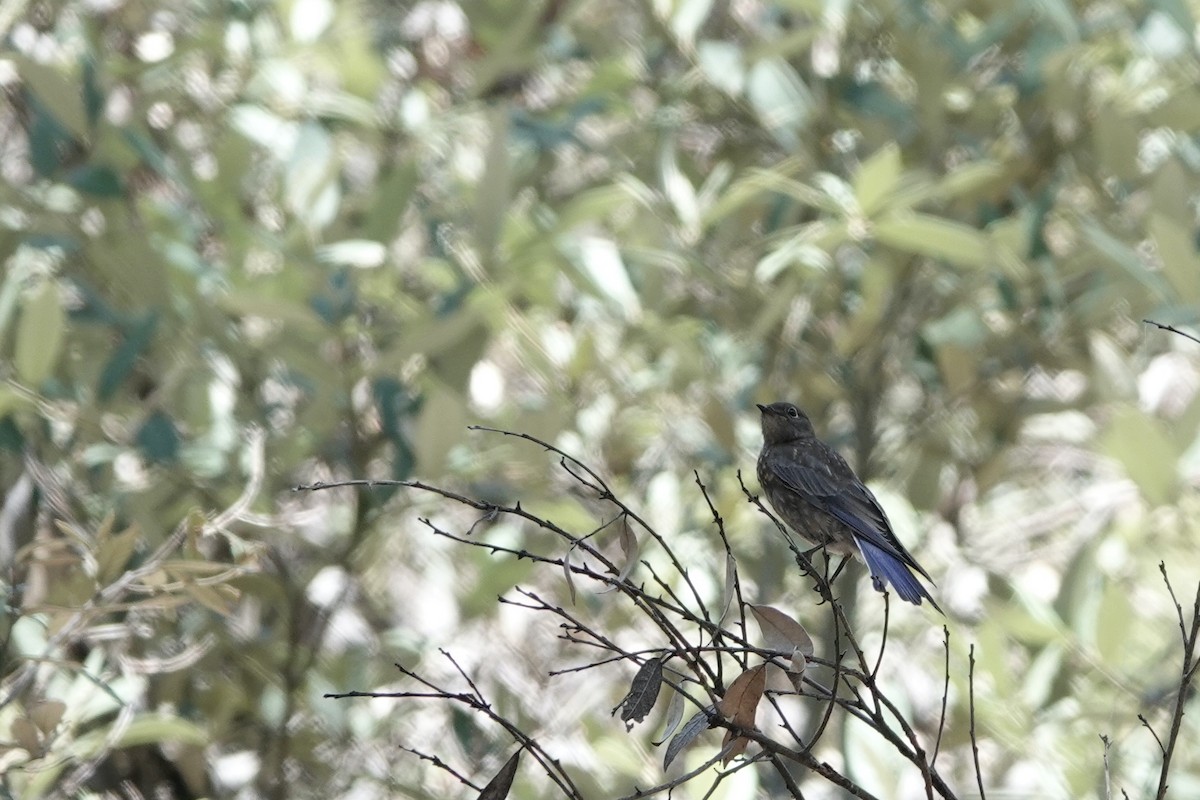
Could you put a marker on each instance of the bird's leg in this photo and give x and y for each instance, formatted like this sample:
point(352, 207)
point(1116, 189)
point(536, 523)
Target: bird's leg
point(838, 571)
point(809, 552)
point(826, 585)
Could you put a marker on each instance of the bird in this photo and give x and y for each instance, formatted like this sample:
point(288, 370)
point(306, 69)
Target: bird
point(818, 495)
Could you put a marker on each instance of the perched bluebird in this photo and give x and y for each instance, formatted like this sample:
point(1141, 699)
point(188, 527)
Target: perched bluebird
point(817, 494)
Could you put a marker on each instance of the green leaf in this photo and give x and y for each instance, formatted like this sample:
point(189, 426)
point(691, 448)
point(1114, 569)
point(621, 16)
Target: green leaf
point(390, 200)
point(493, 195)
point(440, 426)
point(150, 154)
point(310, 185)
point(337, 300)
point(93, 93)
point(11, 400)
point(781, 99)
point(1146, 451)
point(158, 440)
point(877, 177)
point(689, 16)
point(761, 181)
point(40, 334)
point(1177, 251)
point(59, 94)
point(723, 65)
point(969, 179)
point(48, 140)
point(296, 316)
point(137, 339)
point(99, 181)
point(1116, 142)
point(1126, 257)
point(149, 728)
point(961, 327)
point(875, 288)
point(1117, 621)
point(601, 263)
point(11, 440)
point(114, 552)
point(362, 253)
point(927, 235)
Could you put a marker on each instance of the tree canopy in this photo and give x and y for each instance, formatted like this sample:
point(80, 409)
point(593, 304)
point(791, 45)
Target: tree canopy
point(250, 246)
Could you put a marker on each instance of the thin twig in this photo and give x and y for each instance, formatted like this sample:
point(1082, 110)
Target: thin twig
point(720, 523)
point(1172, 329)
point(1107, 772)
point(682, 779)
point(937, 746)
point(1146, 724)
point(442, 765)
point(974, 740)
point(887, 609)
point(854, 688)
point(1186, 673)
point(603, 492)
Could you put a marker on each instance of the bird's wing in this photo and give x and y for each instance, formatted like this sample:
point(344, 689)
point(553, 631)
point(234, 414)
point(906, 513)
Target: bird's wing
point(831, 486)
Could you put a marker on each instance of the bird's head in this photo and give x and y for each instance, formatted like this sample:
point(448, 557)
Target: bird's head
point(783, 422)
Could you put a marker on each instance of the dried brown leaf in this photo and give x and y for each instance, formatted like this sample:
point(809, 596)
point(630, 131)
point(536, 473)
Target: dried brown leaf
point(781, 633)
point(26, 735)
point(47, 715)
point(796, 677)
point(739, 706)
point(497, 788)
point(796, 673)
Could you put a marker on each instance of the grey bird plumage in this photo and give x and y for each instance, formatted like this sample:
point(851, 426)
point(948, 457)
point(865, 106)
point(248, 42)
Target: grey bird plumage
point(814, 491)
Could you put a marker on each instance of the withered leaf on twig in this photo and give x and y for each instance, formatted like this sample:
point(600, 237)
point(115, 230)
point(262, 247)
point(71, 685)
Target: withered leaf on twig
point(630, 548)
point(46, 715)
point(782, 634)
point(700, 722)
point(643, 692)
point(730, 585)
point(26, 734)
point(740, 704)
point(674, 717)
point(497, 788)
point(566, 564)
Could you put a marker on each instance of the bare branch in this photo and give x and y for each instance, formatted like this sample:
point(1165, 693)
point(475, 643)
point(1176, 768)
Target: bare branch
point(937, 747)
point(689, 632)
point(1187, 672)
point(442, 765)
point(1172, 329)
point(974, 739)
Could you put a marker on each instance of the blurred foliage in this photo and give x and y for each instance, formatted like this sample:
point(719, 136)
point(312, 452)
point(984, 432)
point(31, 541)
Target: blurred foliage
point(357, 227)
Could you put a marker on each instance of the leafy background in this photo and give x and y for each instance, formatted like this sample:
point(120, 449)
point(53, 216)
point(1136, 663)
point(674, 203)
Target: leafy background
point(249, 245)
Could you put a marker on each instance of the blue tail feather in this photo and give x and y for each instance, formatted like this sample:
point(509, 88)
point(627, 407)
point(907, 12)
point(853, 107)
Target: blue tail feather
point(887, 568)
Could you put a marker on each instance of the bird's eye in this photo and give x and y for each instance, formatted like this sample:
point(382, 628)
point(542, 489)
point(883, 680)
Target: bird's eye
point(792, 412)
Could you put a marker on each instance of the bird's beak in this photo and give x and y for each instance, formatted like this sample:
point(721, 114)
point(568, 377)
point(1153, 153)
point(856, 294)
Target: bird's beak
point(761, 407)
